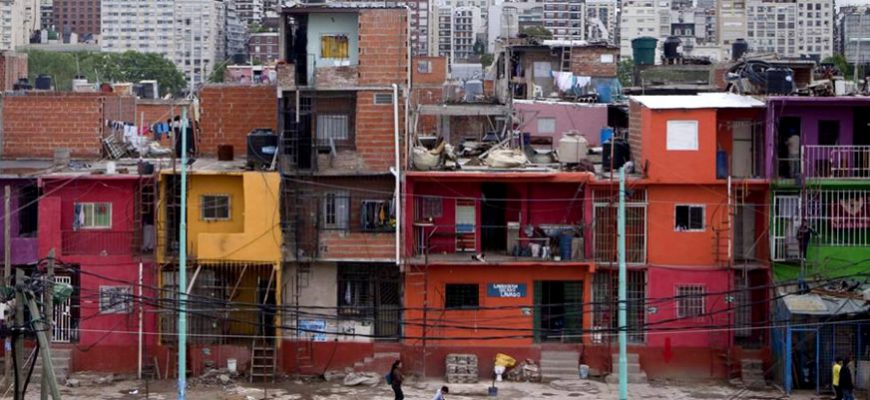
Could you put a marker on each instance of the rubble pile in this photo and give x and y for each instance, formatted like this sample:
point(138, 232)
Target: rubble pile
point(526, 371)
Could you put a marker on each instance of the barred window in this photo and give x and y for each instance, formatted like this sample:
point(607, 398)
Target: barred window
point(459, 296)
point(690, 301)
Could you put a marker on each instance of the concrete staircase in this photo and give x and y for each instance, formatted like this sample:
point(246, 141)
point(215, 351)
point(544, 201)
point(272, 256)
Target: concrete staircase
point(561, 365)
point(635, 374)
point(379, 362)
point(752, 374)
point(60, 358)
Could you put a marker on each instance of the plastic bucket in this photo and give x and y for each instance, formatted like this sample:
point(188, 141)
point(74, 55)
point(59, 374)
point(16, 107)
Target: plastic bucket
point(231, 365)
point(584, 371)
point(493, 391)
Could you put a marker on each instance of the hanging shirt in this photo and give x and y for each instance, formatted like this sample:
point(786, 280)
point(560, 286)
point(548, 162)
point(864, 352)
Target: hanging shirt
point(835, 376)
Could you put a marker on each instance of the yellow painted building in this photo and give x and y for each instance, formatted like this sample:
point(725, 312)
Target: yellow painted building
point(234, 246)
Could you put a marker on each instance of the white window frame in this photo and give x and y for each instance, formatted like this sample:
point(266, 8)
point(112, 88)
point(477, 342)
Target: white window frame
point(108, 295)
point(215, 195)
point(91, 207)
point(690, 291)
point(424, 66)
point(682, 135)
point(325, 121)
point(550, 129)
point(689, 228)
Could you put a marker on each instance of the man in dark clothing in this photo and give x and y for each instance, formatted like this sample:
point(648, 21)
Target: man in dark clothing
point(396, 379)
point(846, 384)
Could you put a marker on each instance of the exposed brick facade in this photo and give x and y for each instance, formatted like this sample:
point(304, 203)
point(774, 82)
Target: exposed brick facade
point(13, 66)
point(374, 131)
point(383, 51)
point(436, 75)
point(230, 112)
point(37, 123)
point(586, 61)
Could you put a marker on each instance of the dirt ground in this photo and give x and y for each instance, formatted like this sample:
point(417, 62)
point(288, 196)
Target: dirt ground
point(319, 390)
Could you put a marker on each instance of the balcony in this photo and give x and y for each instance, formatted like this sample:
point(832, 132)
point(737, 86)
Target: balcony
point(96, 243)
point(836, 162)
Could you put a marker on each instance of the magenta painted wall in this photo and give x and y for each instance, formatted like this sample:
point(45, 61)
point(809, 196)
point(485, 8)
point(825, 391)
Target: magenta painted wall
point(588, 119)
point(23, 248)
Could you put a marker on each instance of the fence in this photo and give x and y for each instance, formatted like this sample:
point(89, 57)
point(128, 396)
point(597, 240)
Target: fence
point(840, 162)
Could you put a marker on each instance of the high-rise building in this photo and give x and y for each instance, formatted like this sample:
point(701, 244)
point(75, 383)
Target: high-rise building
point(643, 18)
point(82, 17)
point(144, 26)
point(263, 47)
point(236, 30)
point(565, 19)
point(601, 20)
point(730, 23)
point(459, 29)
point(791, 29)
point(13, 30)
point(855, 26)
point(46, 14)
point(250, 11)
point(200, 41)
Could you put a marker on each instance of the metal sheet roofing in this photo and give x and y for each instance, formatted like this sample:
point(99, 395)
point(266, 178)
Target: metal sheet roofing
point(699, 101)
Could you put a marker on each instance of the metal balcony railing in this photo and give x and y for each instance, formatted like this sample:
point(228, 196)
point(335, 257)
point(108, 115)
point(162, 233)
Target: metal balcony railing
point(838, 162)
point(97, 242)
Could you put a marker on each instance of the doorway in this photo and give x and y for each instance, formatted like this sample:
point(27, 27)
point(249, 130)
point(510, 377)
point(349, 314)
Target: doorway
point(266, 299)
point(742, 165)
point(786, 128)
point(558, 311)
point(371, 292)
point(492, 212)
point(861, 137)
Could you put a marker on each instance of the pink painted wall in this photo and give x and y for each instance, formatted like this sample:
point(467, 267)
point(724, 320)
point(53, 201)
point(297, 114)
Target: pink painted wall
point(588, 119)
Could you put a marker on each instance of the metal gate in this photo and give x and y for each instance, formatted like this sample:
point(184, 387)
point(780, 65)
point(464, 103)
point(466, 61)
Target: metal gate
point(63, 327)
point(786, 221)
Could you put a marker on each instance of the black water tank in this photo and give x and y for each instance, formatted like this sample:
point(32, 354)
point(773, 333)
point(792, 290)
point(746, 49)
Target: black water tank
point(738, 49)
point(621, 153)
point(779, 80)
point(23, 84)
point(43, 82)
point(671, 46)
point(262, 145)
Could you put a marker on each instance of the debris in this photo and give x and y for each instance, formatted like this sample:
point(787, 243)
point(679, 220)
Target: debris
point(73, 382)
point(333, 376)
point(462, 368)
point(526, 371)
point(224, 378)
point(362, 378)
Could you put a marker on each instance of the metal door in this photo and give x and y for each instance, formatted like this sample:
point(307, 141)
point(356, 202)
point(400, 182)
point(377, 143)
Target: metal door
point(63, 327)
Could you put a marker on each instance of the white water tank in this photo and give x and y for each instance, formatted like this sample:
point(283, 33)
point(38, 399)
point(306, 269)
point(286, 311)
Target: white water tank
point(572, 148)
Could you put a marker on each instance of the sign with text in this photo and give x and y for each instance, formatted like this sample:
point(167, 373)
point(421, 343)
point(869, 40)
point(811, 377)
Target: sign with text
point(514, 290)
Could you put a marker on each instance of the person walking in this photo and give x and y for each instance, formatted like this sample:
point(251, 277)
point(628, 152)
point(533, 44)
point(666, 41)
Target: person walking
point(835, 378)
point(846, 383)
point(396, 379)
point(439, 395)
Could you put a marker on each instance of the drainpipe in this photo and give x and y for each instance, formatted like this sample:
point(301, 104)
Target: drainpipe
point(141, 326)
point(397, 171)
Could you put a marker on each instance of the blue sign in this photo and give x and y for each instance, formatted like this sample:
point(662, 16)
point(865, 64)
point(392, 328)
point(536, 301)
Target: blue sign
point(313, 328)
point(513, 290)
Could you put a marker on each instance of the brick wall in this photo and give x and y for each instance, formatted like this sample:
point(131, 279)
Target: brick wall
point(230, 112)
point(635, 132)
point(120, 108)
point(35, 124)
point(383, 48)
point(437, 72)
point(13, 66)
point(426, 123)
point(586, 61)
point(374, 131)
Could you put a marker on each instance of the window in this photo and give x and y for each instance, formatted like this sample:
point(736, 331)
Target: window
point(215, 207)
point(116, 299)
point(546, 125)
point(424, 67)
point(429, 207)
point(376, 215)
point(92, 216)
point(334, 46)
point(332, 126)
point(689, 218)
point(461, 296)
point(383, 98)
point(336, 210)
point(690, 301)
point(682, 135)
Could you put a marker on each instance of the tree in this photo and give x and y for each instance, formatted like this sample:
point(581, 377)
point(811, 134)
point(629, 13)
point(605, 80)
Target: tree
point(537, 32)
point(842, 64)
point(625, 72)
point(486, 60)
point(130, 66)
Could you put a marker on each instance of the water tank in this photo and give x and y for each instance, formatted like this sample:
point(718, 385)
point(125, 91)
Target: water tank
point(22, 84)
point(473, 89)
point(262, 145)
point(671, 47)
point(572, 148)
point(644, 50)
point(79, 80)
point(621, 154)
point(43, 82)
point(738, 49)
point(149, 89)
point(779, 80)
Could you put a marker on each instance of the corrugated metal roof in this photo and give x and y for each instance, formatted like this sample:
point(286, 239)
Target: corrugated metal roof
point(699, 101)
point(814, 304)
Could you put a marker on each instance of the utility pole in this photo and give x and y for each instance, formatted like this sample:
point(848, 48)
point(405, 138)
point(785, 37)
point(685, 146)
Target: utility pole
point(44, 344)
point(19, 321)
point(48, 310)
point(7, 271)
point(182, 266)
point(623, 345)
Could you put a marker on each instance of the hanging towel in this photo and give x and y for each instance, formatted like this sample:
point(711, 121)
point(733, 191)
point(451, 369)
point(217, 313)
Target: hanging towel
point(78, 217)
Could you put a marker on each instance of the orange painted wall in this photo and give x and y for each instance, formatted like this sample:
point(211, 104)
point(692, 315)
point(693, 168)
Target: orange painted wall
point(679, 166)
point(511, 317)
point(666, 245)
